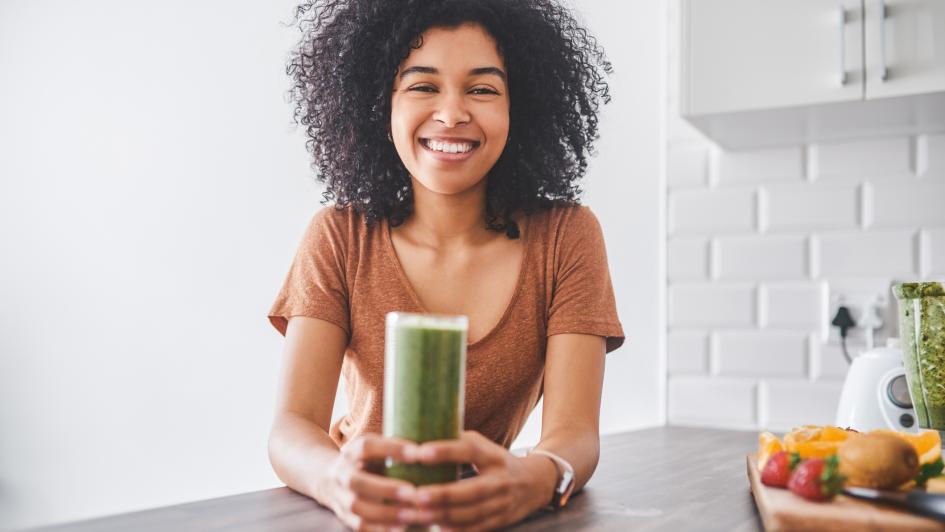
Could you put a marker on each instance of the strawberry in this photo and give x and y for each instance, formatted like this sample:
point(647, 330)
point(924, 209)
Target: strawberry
point(816, 479)
point(778, 469)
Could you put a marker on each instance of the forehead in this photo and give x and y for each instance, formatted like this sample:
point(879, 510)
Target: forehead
point(460, 48)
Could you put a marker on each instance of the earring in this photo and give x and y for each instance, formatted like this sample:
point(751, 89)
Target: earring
point(389, 137)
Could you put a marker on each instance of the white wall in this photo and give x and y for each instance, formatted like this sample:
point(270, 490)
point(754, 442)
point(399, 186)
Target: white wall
point(152, 194)
point(759, 244)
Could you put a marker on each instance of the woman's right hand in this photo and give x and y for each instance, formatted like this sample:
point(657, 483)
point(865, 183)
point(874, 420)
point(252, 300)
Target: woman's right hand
point(364, 500)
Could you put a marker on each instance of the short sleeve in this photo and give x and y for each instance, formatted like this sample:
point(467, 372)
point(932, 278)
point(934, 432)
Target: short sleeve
point(582, 300)
point(315, 285)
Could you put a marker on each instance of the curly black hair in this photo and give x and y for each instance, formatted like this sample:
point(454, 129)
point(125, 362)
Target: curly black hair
point(342, 76)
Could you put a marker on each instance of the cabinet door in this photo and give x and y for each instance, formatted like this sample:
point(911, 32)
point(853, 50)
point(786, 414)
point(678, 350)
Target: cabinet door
point(740, 55)
point(907, 42)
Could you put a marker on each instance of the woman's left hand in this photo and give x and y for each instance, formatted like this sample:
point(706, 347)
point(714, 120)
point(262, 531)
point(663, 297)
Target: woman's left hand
point(506, 490)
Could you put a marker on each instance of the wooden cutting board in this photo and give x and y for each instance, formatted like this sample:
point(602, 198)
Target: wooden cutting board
point(782, 510)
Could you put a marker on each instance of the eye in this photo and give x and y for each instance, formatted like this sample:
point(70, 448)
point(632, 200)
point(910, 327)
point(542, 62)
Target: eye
point(484, 90)
point(422, 88)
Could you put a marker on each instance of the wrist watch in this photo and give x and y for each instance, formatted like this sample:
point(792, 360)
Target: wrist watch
point(565, 483)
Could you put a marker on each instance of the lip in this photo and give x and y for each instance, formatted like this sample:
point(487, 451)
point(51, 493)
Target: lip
point(449, 157)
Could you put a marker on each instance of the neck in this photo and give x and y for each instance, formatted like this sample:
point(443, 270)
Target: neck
point(444, 221)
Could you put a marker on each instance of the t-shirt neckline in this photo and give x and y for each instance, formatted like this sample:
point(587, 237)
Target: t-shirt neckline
point(415, 299)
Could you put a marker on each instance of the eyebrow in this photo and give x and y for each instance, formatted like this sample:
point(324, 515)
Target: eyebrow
point(474, 72)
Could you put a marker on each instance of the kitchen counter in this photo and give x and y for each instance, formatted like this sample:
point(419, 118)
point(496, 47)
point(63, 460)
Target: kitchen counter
point(661, 479)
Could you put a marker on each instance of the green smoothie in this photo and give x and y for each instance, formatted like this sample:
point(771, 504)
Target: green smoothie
point(424, 378)
point(922, 335)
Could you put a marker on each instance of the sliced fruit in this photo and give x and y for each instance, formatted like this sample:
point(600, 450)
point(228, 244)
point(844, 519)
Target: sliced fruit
point(801, 434)
point(935, 485)
point(816, 449)
point(830, 433)
point(768, 445)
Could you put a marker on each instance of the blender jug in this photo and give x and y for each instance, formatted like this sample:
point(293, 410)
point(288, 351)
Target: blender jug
point(922, 334)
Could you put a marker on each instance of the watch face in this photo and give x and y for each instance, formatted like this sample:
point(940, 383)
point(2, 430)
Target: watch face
point(565, 487)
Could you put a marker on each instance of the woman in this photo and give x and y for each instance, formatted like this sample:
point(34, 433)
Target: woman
point(450, 135)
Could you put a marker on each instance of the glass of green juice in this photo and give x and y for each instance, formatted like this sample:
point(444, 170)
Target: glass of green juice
point(922, 336)
point(424, 387)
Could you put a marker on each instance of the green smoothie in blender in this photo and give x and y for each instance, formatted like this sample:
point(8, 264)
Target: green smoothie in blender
point(922, 333)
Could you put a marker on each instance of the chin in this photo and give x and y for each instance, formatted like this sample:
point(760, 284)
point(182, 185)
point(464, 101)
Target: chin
point(445, 185)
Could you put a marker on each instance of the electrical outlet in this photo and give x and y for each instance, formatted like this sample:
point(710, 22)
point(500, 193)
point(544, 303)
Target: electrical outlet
point(859, 301)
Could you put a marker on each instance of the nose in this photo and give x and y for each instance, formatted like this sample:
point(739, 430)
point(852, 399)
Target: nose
point(452, 110)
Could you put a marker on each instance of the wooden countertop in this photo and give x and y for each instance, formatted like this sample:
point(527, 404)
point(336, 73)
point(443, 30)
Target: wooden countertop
point(661, 479)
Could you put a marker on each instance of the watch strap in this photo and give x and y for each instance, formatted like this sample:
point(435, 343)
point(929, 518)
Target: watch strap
point(565, 482)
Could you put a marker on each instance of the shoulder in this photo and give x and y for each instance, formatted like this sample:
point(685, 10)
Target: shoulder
point(571, 221)
point(339, 229)
point(337, 222)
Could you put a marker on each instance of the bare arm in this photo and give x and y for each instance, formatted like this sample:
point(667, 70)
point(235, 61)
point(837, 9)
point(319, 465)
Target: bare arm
point(570, 420)
point(299, 445)
point(307, 459)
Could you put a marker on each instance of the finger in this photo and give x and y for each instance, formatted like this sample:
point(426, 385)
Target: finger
point(459, 493)
point(460, 451)
point(472, 515)
point(355, 522)
point(375, 447)
point(371, 512)
point(380, 488)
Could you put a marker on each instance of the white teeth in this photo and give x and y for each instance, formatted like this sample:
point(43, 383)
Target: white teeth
point(449, 147)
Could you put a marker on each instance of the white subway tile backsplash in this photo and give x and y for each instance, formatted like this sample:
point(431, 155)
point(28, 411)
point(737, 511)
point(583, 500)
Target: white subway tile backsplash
point(796, 305)
point(711, 305)
point(882, 158)
point(712, 401)
point(758, 166)
point(761, 257)
point(933, 165)
point(763, 354)
point(795, 403)
point(687, 258)
point(936, 251)
point(687, 352)
point(712, 211)
point(830, 362)
point(687, 165)
point(808, 206)
point(908, 204)
point(889, 253)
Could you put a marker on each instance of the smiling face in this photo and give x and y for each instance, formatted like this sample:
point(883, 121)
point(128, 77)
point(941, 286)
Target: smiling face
point(450, 109)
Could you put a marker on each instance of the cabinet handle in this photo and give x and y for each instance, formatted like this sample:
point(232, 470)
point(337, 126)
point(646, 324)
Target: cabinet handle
point(842, 20)
point(882, 39)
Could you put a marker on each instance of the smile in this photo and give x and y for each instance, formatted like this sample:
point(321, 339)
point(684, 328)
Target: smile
point(449, 149)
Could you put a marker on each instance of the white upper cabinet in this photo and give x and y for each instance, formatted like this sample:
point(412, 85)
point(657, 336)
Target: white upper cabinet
point(773, 72)
point(757, 54)
point(905, 47)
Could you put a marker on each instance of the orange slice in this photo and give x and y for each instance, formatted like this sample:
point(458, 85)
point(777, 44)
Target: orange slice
point(768, 444)
point(799, 435)
point(835, 434)
point(816, 449)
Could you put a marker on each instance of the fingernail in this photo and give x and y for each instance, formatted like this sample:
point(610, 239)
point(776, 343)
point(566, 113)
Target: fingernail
point(424, 516)
point(407, 516)
point(427, 453)
point(396, 529)
point(406, 493)
point(410, 452)
point(423, 496)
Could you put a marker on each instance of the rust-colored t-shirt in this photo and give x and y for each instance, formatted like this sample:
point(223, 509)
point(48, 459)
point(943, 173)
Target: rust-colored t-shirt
point(347, 273)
